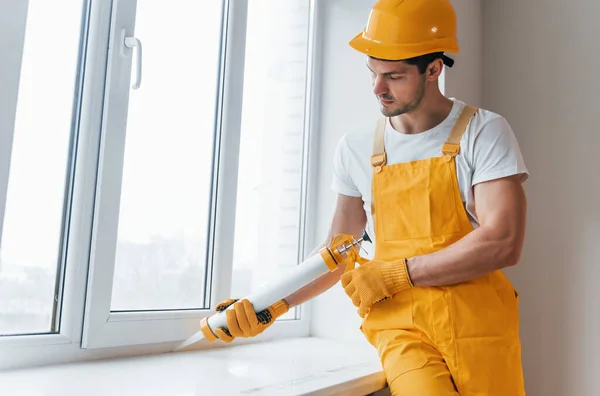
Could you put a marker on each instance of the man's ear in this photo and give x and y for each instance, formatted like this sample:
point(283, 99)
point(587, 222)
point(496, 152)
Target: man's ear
point(435, 69)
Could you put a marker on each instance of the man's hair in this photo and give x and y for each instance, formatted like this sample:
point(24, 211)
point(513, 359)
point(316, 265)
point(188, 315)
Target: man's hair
point(423, 61)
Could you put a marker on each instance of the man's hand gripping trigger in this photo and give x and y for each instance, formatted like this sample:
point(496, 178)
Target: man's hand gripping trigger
point(374, 281)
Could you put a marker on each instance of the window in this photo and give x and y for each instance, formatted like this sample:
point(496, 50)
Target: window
point(38, 178)
point(158, 165)
point(164, 209)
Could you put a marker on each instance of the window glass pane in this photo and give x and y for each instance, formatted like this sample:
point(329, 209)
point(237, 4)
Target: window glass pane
point(271, 148)
point(164, 213)
point(31, 237)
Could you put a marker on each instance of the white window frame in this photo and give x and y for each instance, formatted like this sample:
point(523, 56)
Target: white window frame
point(87, 326)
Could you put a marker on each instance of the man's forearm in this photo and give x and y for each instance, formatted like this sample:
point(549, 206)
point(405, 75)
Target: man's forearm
point(314, 288)
point(478, 253)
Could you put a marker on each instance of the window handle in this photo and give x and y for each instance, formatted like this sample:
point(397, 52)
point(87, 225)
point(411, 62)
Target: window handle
point(132, 42)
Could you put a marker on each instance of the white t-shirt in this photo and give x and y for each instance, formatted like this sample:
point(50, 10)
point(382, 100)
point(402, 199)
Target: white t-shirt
point(488, 150)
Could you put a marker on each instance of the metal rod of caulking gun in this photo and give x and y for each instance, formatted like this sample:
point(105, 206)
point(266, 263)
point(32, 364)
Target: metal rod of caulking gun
point(364, 237)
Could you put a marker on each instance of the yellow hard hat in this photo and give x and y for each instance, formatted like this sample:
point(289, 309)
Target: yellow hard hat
point(402, 29)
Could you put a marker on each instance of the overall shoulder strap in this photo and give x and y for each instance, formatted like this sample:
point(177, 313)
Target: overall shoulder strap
point(452, 145)
point(379, 157)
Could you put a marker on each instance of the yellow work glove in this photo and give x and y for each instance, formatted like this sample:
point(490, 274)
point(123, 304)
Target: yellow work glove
point(242, 321)
point(374, 282)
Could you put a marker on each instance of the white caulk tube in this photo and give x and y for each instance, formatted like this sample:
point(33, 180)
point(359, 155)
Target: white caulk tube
point(343, 251)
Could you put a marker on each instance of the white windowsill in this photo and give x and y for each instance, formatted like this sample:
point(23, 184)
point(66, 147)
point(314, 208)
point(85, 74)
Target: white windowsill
point(297, 366)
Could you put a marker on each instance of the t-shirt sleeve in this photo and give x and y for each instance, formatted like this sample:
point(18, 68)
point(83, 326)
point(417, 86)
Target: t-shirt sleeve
point(496, 153)
point(342, 182)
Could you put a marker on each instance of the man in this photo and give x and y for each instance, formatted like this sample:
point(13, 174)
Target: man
point(442, 189)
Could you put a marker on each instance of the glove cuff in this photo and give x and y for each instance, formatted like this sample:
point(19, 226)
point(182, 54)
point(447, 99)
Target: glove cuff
point(396, 276)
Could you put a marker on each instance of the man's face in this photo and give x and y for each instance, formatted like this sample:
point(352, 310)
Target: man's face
point(399, 87)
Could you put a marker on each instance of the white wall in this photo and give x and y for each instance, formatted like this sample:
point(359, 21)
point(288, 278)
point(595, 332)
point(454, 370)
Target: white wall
point(541, 62)
point(347, 102)
point(465, 80)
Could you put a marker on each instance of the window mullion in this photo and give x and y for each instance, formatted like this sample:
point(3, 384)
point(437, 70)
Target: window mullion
point(227, 147)
point(89, 123)
point(108, 187)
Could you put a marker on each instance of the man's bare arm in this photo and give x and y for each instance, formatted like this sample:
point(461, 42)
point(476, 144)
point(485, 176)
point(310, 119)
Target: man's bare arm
point(349, 218)
point(501, 209)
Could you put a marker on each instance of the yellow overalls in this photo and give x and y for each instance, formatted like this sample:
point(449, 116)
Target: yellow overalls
point(435, 341)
